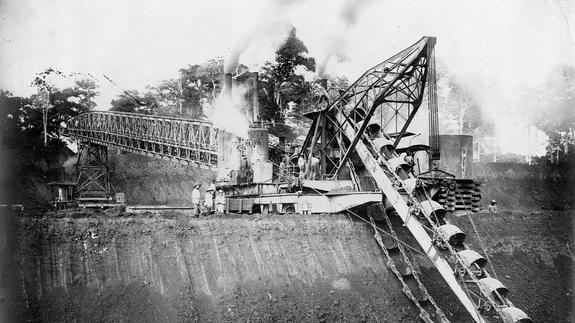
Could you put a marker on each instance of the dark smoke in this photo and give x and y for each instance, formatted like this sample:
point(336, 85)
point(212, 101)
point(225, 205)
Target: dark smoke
point(338, 57)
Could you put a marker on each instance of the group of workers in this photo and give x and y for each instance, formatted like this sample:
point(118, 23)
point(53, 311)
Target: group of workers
point(213, 201)
point(306, 170)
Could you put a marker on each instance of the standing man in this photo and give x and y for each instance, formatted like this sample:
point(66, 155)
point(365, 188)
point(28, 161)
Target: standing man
point(196, 199)
point(283, 170)
point(301, 164)
point(220, 202)
point(209, 200)
point(314, 167)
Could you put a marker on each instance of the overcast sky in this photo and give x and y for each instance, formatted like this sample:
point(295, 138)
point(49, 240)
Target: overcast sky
point(496, 48)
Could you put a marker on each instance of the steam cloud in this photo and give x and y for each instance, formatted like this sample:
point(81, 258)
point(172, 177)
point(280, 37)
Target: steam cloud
point(258, 46)
point(69, 164)
point(253, 50)
point(229, 112)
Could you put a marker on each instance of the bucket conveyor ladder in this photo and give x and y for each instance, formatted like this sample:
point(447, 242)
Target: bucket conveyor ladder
point(463, 269)
point(345, 137)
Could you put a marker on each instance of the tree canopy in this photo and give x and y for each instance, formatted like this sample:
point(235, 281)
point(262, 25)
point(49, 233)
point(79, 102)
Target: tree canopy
point(22, 118)
point(183, 96)
point(280, 82)
point(551, 106)
point(133, 101)
point(198, 85)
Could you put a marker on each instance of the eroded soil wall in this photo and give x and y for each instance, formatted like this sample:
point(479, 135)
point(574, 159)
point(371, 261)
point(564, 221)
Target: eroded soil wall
point(216, 269)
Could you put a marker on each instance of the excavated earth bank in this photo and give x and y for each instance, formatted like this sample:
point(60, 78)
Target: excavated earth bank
point(172, 268)
point(531, 253)
point(99, 267)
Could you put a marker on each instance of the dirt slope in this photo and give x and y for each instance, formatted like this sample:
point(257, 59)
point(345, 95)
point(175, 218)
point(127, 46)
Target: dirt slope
point(531, 254)
point(319, 268)
point(152, 181)
point(521, 187)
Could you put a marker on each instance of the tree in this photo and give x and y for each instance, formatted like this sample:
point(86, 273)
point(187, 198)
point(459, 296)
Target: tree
point(22, 118)
point(194, 85)
point(279, 81)
point(133, 101)
point(551, 106)
point(68, 103)
point(460, 112)
point(15, 129)
point(553, 101)
point(56, 106)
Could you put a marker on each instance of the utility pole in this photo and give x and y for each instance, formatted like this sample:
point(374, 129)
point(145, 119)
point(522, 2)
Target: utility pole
point(181, 94)
point(45, 106)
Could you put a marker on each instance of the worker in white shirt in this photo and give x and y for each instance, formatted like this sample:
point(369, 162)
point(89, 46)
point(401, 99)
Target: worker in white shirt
point(314, 171)
point(196, 200)
point(209, 199)
point(220, 202)
point(301, 164)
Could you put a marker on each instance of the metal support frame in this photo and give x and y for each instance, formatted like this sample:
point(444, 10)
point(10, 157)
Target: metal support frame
point(432, 104)
point(392, 90)
point(93, 181)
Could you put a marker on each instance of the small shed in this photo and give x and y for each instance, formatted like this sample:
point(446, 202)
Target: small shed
point(62, 194)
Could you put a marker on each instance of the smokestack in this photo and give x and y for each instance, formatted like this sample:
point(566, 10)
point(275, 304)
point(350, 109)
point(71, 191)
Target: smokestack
point(255, 98)
point(323, 83)
point(228, 84)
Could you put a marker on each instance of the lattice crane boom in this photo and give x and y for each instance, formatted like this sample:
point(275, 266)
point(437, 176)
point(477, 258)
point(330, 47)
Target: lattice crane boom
point(392, 90)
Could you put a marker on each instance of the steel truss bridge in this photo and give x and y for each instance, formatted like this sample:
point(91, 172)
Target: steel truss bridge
point(188, 141)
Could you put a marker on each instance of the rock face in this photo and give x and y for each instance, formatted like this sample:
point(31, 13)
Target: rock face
point(160, 269)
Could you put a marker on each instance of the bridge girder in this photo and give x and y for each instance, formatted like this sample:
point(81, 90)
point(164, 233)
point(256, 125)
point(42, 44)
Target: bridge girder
point(188, 141)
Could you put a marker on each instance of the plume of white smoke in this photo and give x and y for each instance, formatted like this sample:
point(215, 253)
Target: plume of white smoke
point(258, 46)
point(229, 112)
point(69, 164)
